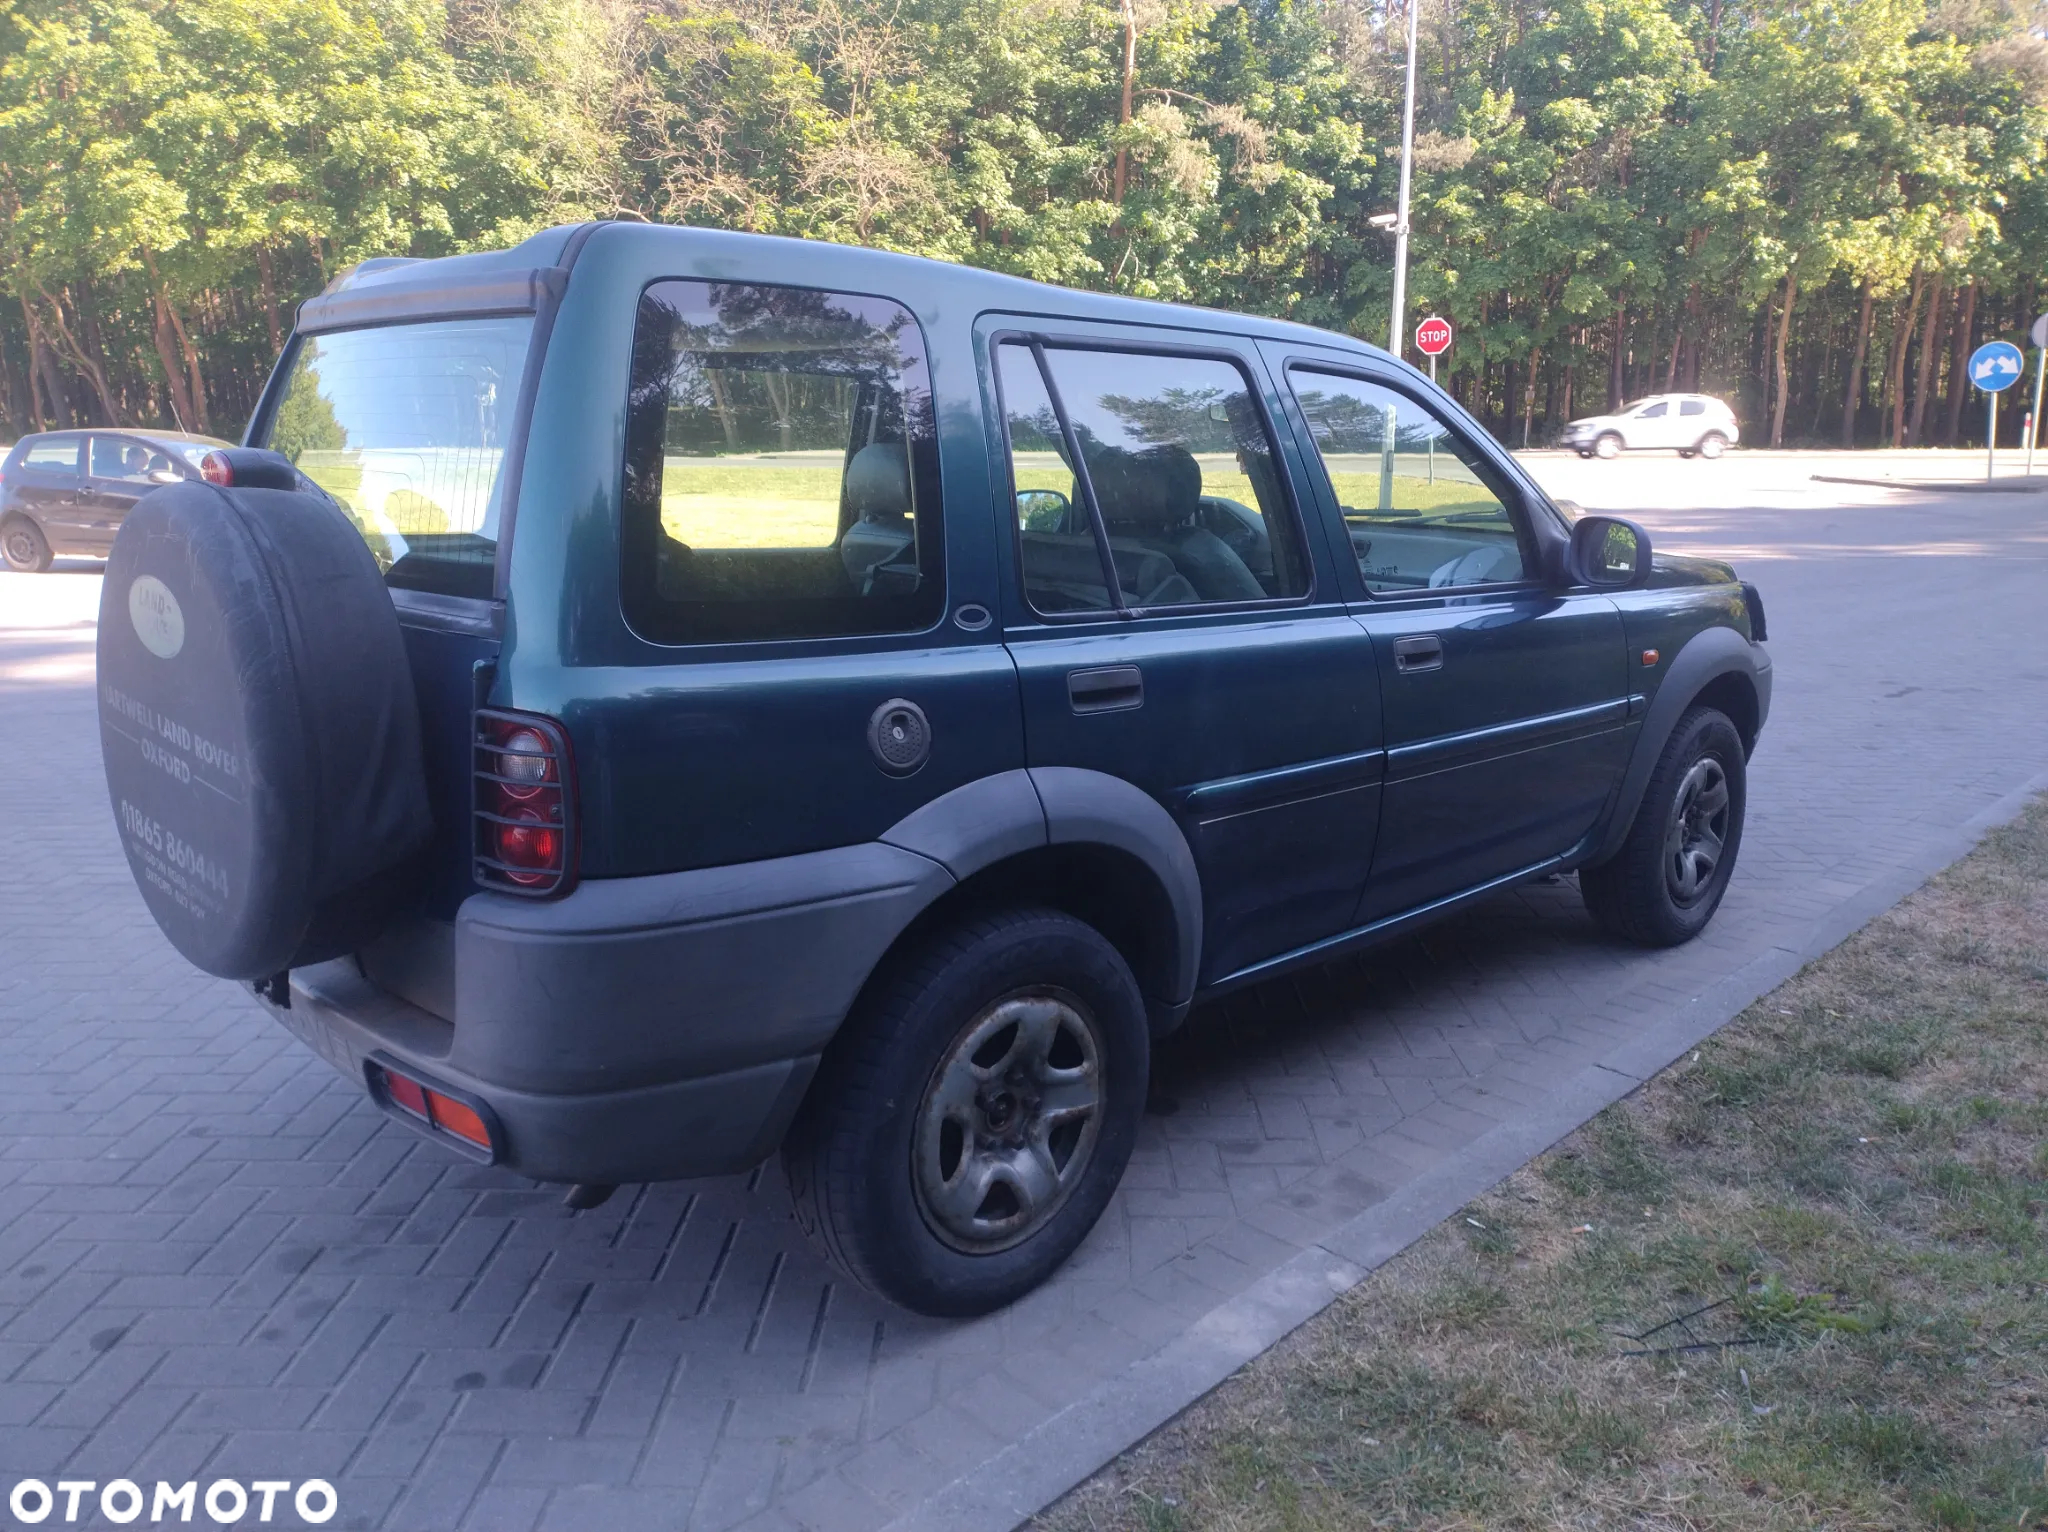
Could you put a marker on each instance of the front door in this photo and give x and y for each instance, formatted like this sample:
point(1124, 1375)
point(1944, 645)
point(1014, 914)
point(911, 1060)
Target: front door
point(1174, 625)
point(1504, 699)
point(1652, 426)
point(118, 475)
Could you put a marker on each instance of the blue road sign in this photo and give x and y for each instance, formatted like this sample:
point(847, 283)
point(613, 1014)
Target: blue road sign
point(1996, 365)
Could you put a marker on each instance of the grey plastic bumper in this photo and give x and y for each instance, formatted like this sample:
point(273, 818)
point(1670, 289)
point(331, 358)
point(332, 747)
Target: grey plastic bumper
point(641, 1028)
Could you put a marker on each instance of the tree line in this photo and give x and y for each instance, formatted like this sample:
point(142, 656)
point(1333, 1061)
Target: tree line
point(1815, 208)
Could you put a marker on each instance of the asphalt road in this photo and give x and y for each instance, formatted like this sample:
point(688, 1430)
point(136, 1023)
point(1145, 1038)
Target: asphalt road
point(217, 1260)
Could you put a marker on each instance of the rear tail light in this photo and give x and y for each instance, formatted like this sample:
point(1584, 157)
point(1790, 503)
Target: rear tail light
point(215, 468)
point(524, 793)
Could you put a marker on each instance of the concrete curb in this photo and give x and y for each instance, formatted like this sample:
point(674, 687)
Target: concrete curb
point(2021, 486)
point(1032, 1472)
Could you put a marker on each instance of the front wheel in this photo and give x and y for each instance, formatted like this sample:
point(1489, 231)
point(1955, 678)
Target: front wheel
point(1608, 446)
point(970, 1122)
point(24, 547)
point(1713, 444)
point(1667, 880)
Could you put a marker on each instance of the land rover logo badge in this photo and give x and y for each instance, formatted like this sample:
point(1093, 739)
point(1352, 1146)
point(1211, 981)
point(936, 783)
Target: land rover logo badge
point(159, 621)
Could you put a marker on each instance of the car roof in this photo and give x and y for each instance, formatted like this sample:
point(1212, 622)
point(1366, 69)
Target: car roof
point(382, 290)
point(139, 433)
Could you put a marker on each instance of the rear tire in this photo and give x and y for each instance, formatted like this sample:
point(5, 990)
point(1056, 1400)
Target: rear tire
point(1667, 880)
point(24, 547)
point(1713, 444)
point(1608, 446)
point(972, 1118)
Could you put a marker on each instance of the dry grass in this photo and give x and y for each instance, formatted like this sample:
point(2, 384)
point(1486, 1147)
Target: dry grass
point(1859, 1164)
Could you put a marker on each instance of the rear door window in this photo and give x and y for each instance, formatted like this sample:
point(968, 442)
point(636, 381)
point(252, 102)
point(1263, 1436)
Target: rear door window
point(1187, 504)
point(781, 476)
point(406, 427)
point(59, 456)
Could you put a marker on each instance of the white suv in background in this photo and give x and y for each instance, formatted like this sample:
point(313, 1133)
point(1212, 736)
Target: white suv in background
point(1684, 423)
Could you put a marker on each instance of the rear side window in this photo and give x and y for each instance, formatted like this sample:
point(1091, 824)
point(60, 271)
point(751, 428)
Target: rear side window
point(1181, 494)
point(406, 426)
point(1692, 407)
point(53, 457)
point(781, 466)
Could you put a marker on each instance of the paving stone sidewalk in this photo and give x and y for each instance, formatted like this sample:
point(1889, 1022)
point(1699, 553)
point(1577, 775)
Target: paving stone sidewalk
point(217, 1260)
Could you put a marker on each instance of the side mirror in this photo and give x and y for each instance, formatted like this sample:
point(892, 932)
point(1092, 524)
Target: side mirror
point(1607, 553)
point(1043, 510)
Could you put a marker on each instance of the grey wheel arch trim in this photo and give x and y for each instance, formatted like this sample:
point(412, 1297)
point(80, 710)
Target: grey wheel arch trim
point(984, 822)
point(1092, 807)
point(1706, 657)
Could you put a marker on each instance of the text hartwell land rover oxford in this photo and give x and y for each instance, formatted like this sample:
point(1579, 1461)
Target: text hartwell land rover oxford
point(654, 696)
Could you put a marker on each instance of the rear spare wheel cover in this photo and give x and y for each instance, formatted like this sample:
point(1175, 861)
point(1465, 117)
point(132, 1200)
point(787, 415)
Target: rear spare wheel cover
point(258, 726)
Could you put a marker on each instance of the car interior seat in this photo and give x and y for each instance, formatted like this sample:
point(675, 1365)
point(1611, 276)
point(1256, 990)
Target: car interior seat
point(879, 545)
point(1152, 499)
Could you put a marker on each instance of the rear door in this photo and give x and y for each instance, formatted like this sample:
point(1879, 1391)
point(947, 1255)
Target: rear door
point(1504, 700)
point(49, 487)
point(1174, 625)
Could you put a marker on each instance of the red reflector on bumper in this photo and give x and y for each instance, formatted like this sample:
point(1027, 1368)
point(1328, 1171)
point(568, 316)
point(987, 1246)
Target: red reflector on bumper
point(454, 1117)
point(435, 1110)
point(406, 1093)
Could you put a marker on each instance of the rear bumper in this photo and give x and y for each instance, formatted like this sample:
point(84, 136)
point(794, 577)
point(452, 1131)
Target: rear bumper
point(641, 1028)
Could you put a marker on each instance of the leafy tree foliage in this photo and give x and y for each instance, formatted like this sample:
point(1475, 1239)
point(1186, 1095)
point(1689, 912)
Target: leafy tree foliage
point(1817, 207)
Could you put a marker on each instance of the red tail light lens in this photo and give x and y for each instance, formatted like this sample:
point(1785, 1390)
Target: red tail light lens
point(214, 468)
point(524, 793)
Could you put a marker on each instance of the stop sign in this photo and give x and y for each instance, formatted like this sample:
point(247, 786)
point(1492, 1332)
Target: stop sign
point(1433, 336)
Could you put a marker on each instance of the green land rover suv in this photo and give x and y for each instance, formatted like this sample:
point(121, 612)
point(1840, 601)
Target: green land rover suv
point(653, 697)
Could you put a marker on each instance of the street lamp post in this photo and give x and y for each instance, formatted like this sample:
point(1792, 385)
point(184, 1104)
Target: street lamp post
point(1407, 170)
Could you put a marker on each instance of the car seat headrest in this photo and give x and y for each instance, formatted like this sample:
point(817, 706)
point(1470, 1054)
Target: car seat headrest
point(1155, 487)
point(878, 482)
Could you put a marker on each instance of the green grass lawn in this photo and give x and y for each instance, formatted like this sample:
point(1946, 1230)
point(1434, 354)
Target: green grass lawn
point(1416, 492)
point(1855, 1171)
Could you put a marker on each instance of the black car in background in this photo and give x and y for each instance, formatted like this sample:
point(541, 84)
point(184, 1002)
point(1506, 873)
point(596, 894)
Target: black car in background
point(66, 492)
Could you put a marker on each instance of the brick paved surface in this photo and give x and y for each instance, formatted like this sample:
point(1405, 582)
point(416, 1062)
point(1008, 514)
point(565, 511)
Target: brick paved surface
point(217, 1260)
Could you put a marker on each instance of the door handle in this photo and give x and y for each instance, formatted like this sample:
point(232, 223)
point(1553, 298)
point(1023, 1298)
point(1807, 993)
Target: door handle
point(1107, 690)
point(1423, 652)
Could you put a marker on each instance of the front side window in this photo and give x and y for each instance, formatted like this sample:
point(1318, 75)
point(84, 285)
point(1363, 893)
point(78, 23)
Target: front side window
point(406, 427)
point(1187, 506)
point(114, 457)
point(781, 466)
point(1652, 412)
point(1423, 509)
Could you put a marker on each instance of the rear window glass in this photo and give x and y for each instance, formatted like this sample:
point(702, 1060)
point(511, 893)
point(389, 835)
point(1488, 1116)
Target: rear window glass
point(61, 455)
point(781, 476)
point(406, 426)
